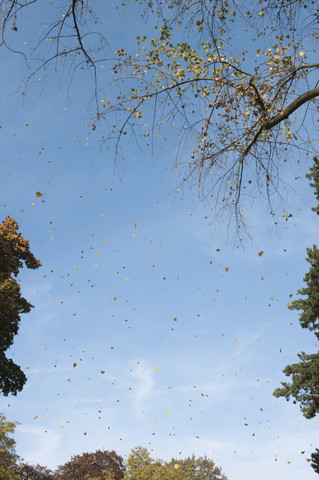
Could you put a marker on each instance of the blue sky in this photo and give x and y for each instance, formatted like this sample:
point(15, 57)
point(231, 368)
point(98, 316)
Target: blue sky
point(179, 339)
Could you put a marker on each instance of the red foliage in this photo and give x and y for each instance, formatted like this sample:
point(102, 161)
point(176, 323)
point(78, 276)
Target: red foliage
point(92, 465)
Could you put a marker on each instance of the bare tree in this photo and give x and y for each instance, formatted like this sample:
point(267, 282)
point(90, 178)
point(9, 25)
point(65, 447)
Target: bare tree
point(234, 81)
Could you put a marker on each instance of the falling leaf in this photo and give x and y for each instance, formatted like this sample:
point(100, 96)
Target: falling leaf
point(74, 365)
point(135, 224)
point(155, 368)
point(38, 194)
point(261, 253)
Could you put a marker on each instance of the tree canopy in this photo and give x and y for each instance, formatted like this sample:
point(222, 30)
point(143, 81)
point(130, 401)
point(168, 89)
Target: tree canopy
point(140, 466)
point(8, 456)
point(96, 465)
point(234, 81)
point(14, 250)
point(33, 472)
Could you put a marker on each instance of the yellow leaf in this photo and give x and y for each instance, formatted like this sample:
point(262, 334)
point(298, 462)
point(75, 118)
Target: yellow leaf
point(261, 253)
point(38, 194)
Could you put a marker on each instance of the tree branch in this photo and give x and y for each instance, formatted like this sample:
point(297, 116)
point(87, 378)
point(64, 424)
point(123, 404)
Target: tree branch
point(303, 98)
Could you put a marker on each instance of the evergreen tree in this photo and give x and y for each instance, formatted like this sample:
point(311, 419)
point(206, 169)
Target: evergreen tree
point(304, 387)
point(315, 460)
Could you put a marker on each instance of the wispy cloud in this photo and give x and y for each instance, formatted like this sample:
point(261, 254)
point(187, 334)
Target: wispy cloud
point(34, 438)
point(143, 391)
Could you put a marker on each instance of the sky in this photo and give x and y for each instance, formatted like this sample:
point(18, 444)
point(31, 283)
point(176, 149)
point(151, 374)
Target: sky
point(149, 327)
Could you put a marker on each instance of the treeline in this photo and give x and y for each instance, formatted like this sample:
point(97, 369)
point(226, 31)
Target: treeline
point(103, 465)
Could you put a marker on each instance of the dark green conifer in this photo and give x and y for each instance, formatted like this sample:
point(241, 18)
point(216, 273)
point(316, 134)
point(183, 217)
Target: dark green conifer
point(304, 387)
point(315, 460)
